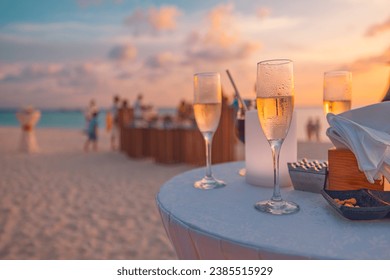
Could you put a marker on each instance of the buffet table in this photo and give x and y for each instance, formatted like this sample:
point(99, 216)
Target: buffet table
point(223, 224)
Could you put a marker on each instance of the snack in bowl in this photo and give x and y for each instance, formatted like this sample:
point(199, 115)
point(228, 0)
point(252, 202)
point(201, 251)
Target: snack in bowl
point(367, 206)
point(350, 202)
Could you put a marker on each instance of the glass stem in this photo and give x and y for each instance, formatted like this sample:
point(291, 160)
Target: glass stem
point(208, 137)
point(275, 147)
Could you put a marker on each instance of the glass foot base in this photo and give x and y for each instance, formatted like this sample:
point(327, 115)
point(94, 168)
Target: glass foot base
point(277, 207)
point(242, 172)
point(209, 183)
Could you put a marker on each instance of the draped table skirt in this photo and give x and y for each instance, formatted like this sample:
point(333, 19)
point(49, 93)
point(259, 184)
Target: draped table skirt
point(223, 223)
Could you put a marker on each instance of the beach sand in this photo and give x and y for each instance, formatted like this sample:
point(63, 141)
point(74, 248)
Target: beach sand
point(63, 203)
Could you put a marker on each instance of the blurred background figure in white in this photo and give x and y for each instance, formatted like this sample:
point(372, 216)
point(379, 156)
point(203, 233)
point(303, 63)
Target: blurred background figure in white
point(28, 117)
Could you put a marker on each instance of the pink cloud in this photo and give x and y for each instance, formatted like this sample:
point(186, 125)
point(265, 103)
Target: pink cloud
point(221, 29)
point(162, 59)
point(378, 28)
point(221, 40)
point(263, 13)
point(366, 63)
point(30, 72)
point(154, 19)
point(57, 85)
point(164, 18)
point(123, 53)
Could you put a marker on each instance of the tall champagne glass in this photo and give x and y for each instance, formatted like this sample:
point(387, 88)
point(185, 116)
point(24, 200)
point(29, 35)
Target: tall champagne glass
point(337, 91)
point(207, 110)
point(275, 105)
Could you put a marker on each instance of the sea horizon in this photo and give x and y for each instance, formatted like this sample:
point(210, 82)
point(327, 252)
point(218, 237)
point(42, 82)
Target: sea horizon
point(68, 118)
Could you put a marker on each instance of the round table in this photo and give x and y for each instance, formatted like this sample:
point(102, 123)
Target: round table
point(223, 224)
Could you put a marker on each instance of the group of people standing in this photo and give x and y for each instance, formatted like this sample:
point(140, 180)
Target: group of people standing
point(112, 120)
point(313, 129)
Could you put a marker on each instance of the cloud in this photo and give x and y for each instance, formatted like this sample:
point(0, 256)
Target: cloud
point(221, 32)
point(378, 28)
point(161, 60)
point(221, 40)
point(79, 76)
point(263, 12)
point(212, 54)
point(366, 63)
point(76, 75)
point(153, 20)
point(31, 73)
point(163, 19)
point(123, 53)
point(57, 85)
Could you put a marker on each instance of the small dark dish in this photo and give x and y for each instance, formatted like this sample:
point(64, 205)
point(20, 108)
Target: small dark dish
point(384, 196)
point(370, 207)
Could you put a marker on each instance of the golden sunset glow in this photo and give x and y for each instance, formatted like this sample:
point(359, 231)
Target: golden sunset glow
point(94, 49)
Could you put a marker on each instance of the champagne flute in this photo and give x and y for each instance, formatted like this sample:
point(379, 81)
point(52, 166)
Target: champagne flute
point(275, 105)
point(207, 110)
point(337, 91)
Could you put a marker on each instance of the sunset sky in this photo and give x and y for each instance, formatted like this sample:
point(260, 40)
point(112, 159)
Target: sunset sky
point(63, 53)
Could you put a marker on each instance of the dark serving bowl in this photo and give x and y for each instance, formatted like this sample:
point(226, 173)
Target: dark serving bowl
point(384, 196)
point(370, 207)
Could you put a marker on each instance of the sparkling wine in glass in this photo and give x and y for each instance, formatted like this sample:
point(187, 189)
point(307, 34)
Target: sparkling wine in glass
point(337, 91)
point(275, 106)
point(207, 110)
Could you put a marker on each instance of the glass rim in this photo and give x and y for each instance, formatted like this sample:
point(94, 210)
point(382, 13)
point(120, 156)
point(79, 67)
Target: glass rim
point(338, 73)
point(277, 61)
point(207, 74)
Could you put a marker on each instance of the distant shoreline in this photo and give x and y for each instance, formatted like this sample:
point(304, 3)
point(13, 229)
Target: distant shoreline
point(74, 119)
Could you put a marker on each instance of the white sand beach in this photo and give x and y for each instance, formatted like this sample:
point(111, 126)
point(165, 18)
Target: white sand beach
point(63, 203)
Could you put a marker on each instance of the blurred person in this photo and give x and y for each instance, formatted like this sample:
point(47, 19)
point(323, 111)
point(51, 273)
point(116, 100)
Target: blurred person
point(126, 115)
point(28, 117)
point(91, 109)
point(182, 111)
point(92, 133)
point(109, 121)
point(310, 129)
point(138, 107)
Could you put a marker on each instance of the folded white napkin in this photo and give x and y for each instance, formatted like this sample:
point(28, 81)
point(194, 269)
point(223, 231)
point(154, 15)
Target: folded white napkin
point(366, 132)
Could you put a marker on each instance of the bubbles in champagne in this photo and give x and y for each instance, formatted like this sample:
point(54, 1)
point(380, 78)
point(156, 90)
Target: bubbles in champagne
point(275, 114)
point(207, 116)
point(337, 106)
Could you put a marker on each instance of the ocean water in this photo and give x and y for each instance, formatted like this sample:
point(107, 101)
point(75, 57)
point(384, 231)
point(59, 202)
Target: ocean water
point(75, 119)
point(58, 119)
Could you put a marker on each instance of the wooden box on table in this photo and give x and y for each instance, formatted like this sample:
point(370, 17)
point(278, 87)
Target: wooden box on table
point(344, 173)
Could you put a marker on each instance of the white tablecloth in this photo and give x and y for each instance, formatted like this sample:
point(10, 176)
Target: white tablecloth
point(223, 224)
